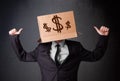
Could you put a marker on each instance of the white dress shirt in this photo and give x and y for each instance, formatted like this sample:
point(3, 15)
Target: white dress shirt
point(64, 52)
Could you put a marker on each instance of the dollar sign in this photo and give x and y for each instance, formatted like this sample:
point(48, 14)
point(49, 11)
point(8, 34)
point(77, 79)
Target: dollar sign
point(48, 29)
point(59, 26)
point(68, 25)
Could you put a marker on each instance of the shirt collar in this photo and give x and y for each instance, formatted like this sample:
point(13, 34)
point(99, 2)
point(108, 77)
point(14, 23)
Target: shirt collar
point(62, 43)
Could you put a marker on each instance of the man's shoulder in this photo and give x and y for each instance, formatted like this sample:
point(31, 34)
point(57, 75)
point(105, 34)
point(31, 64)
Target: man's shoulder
point(72, 42)
point(45, 44)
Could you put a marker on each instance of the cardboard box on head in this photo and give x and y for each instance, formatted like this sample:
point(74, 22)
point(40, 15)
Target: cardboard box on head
point(57, 26)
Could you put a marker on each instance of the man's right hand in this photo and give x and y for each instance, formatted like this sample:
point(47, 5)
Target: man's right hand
point(13, 31)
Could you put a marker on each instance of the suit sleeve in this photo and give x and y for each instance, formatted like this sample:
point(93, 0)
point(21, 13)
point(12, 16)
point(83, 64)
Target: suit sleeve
point(97, 53)
point(21, 53)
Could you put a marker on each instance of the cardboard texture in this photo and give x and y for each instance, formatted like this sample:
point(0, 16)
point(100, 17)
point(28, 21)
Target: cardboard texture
point(57, 26)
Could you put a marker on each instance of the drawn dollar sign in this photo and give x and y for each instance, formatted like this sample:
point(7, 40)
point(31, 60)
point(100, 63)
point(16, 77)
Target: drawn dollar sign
point(68, 25)
point(59, 26)
point(48, 29)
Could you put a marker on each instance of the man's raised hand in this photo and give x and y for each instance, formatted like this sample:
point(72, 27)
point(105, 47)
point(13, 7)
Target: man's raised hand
point(104, 31)
point(15, 32)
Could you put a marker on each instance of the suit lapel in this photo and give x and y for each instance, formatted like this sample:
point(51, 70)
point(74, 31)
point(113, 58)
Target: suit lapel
point(70, 51)
point(48, 46)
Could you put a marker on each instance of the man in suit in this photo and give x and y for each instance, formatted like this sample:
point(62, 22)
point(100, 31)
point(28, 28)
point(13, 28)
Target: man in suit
point(59, 60)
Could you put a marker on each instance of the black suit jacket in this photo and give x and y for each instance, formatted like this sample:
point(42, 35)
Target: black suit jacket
point(69, 68)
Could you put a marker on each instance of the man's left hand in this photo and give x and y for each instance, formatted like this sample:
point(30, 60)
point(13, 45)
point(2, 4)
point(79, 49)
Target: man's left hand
point(104, 31)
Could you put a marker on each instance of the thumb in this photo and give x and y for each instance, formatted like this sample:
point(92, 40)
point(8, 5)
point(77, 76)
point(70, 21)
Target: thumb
point(19, 31)
point(96, 29)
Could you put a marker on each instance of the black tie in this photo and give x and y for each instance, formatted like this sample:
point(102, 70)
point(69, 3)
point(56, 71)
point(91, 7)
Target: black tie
point(57, 54)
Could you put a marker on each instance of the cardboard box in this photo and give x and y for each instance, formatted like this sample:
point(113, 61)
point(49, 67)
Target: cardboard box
point(57, 26)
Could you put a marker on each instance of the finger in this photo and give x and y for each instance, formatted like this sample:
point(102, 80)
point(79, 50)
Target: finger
point(102, 28)
point(96, 29)
point(106, 29)
point(20, 30)
point(12, 31)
